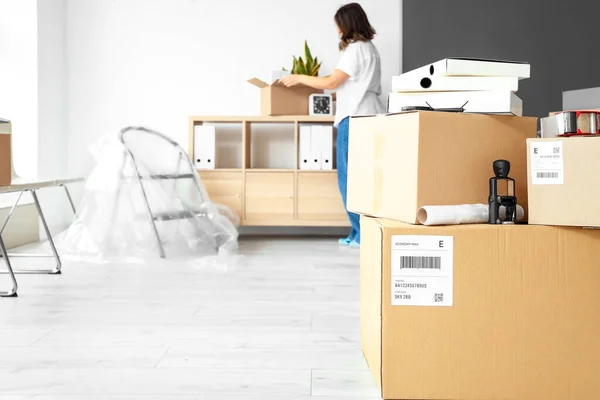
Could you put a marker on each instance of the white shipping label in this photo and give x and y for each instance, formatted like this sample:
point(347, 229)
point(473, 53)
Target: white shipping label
point(547, 163)
point(422, 271)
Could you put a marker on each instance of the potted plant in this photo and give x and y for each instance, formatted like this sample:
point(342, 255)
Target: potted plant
point(306, 66)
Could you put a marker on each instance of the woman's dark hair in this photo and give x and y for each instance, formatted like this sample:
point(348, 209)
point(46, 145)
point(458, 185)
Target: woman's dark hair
point(354, 24)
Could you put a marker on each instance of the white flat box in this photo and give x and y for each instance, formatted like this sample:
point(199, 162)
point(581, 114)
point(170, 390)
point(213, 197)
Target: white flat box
point(583, 99)
point(417, 83)
point(205, 147)
point(497, 102)
point(304, 147)
point(462, 66)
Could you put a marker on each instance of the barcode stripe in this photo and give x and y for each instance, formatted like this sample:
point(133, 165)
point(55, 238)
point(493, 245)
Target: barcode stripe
point(412, 262)
point(547, 175)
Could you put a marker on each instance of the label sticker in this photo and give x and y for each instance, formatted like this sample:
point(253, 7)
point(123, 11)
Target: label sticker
point(422, 271)
point(547, 163)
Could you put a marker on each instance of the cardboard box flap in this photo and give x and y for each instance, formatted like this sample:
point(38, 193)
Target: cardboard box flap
point(262, 84)
point(5, 126)
point(258, 83)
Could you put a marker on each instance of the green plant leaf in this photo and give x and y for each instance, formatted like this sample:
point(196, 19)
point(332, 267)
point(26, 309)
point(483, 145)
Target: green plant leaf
point(307, 53)
point(301, 67)
point(315, 70)
point(309, 65)
point(295, 66)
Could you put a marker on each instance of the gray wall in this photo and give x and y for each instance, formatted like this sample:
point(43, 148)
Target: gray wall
point(548, 34)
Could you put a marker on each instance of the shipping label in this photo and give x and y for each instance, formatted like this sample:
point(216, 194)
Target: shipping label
point(422, 271)
point(547, 163)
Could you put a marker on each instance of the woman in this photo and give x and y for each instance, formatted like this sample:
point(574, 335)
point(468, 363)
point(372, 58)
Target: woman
point(357, 81)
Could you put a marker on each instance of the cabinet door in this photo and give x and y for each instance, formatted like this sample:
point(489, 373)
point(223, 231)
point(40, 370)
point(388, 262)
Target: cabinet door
point(269, 197)
point(224, 188)
point(319, 197)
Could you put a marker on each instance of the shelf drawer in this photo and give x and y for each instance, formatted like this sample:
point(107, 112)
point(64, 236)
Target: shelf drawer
point(269, 196)
point(319, 198)
point(224, 188)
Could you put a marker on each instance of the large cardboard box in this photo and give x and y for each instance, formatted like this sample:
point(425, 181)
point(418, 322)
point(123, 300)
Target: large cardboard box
point(277, 99)
point(399, 163)
point(5, 153)
point(481, 312)
point(564, 181)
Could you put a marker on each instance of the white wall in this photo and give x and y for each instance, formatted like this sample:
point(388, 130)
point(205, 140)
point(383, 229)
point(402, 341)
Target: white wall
point(155, 62)
point(19, 81)
point(52, 109)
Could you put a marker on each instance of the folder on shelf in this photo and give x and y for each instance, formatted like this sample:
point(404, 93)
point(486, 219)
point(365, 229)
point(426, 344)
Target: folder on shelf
point(304, 154)
point(205, 147)
point(316, 147)
point(325, 137)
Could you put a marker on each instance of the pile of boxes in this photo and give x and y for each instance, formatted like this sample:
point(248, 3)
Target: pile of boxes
point(481, 86)
point(482, 311)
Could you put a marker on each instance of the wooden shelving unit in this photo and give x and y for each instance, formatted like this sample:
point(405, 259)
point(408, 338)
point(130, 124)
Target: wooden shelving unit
point(272, 196)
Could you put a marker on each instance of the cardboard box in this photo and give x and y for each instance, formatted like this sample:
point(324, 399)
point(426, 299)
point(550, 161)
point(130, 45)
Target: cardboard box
point(277, 99)
point(401, 162)
point(563, 179)
point(5, 153)
point(517, 317)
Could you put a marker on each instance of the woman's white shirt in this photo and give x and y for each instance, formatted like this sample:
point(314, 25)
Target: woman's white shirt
point(359, 94)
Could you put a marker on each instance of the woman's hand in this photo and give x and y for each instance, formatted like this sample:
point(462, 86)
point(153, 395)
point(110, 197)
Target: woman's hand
point(292, 80)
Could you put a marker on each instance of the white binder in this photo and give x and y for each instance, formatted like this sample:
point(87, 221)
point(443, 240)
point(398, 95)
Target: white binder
point(205, 147)
point(304, 156)
point(325, 135)
point(411, 83)
point(316, 147)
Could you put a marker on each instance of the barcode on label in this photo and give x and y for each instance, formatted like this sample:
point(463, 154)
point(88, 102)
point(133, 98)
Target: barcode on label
point(412, 262)
point(438, 297)
point(547, 175)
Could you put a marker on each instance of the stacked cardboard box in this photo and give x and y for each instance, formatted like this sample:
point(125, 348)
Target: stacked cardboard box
point(480, 85)
point(465, 312)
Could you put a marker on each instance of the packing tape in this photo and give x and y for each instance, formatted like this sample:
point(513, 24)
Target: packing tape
point(570, 123)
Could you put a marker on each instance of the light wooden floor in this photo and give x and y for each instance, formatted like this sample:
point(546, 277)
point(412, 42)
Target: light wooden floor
point(282, 323)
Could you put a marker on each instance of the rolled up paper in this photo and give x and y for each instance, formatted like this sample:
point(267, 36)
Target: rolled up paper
point(461, 214)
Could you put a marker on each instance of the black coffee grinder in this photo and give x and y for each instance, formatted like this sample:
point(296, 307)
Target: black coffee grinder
point(502, 194)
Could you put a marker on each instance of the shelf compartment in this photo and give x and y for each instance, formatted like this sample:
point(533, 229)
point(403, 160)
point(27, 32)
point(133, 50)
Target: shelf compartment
point(270, 196)
point(226, 188)
point(228, 145)
point(319, 198)
point(271, 146)
point(262, 119)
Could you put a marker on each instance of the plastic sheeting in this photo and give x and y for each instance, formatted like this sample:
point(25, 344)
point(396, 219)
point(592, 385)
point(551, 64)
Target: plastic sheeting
point(143, 189)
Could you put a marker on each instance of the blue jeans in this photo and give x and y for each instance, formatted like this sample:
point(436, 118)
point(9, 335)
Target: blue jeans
point(342, 170)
